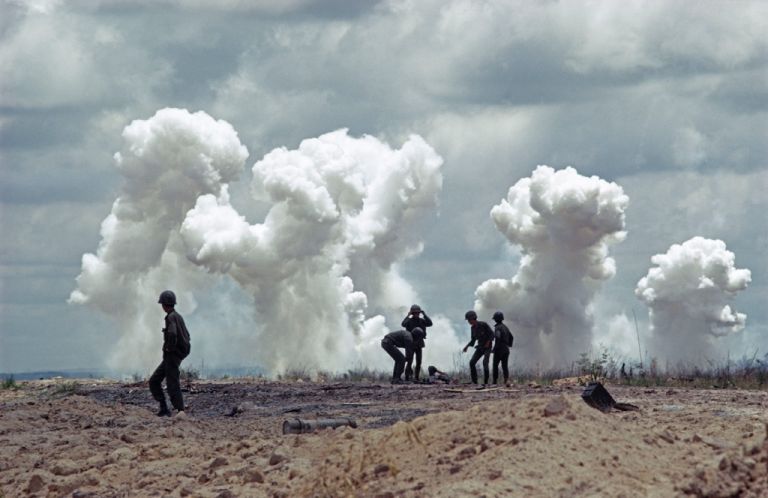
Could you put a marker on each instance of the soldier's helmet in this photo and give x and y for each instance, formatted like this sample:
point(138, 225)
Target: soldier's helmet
point(470, 315)
point(498, 316)
point(418, 333)
point(167, 298)
point(415, 307)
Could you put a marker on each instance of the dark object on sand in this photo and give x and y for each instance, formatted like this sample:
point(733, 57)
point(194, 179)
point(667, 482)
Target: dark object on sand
point(597, 396)
point(302, 426)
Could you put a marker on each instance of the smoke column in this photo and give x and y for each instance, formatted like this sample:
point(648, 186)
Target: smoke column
point(321, 270)
point(687, 292)
point(563, 224)
point(166, 162)
point(342, 216)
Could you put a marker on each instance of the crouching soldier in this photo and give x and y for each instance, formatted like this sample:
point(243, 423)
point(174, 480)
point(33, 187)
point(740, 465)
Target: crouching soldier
point(501, 347)
point(176, 347)
point(401, 339)
point(483, 336)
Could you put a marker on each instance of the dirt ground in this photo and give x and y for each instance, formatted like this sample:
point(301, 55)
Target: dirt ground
point(101, 439)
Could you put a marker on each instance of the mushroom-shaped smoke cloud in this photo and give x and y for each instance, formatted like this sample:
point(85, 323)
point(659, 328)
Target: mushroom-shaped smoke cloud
point(342, 216)
point(687, 293)
point(167, 161)
point(563, 223)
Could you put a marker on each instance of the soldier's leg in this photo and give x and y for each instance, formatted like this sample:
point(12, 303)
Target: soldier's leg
point(172, 381)
point(396, 355)
point(505, 366)
point(486, 370)
point(417, 360)
point(495, 362)
point(472, 362)
point(156, 387)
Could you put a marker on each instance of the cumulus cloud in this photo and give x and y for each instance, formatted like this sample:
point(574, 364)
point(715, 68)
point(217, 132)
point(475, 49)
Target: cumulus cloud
point(563, 223)
point(687, 293)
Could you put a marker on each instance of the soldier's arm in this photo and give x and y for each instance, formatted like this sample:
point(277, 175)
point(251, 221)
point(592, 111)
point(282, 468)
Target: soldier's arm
point(171, 335)
point(427, 320)
point(405, 321)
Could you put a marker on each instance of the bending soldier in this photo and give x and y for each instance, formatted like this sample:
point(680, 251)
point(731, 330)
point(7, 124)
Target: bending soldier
point(483, 336)
point(176, 347)
point(410, 322)
point(501, 347)
point(401, 339)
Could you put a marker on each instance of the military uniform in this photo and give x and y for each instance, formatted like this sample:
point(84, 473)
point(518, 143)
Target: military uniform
point(391, 344)
point(501, 351)
point(409, 323)
point(176, 347)
point(483, 336)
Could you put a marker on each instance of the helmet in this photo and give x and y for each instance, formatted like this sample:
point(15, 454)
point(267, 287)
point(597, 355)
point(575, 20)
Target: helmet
point(498, 316)
point(418, 333)
point(415, 307)
point(167, 298)
point(470, 315)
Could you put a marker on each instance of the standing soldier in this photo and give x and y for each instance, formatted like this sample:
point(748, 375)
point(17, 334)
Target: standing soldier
point(483, 335)
point(176, 346)
point(401, 339)
point(501, 348)
point(410, 322)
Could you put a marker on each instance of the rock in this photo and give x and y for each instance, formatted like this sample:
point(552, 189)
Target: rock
point(218, 462)
point(122, 454)
point(225, 493)
point(182, 415)
point(252, 475)
point(276, 458)
point(556, 406)
point(381, 468)
point(65, 467)
point(36, 483)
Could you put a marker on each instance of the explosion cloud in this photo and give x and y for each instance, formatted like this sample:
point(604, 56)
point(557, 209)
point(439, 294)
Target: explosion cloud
point(342, 217)
point(167, 161)
point(687, 292)
point(563, 223)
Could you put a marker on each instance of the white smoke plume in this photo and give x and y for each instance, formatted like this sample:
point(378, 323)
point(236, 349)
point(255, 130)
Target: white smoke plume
point(342, 217)
point(563, 223)
point(166, 162)
point(687, 293)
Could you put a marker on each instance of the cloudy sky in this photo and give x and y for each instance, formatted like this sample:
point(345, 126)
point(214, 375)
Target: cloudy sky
point(666, 100)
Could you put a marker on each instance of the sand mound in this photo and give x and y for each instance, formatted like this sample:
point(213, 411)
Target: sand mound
point(518, 444)
point(743, 473)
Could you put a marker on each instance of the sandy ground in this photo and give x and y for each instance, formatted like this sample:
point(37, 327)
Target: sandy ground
point(102, 439)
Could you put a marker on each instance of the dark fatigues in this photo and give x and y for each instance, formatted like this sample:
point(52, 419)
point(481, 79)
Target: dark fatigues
point(391, 343)
point(482, 333)
point(409, 323)
point(501, 351)
point(175, 348)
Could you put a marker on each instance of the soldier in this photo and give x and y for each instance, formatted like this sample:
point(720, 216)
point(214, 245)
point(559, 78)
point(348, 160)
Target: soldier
point(501, 348)
point(401, 339)
point(483, 335)
point(410, 322)
point(436, 375)
point(176, 347)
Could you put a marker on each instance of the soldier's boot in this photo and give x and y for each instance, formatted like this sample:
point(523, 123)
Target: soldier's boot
point(164, 411)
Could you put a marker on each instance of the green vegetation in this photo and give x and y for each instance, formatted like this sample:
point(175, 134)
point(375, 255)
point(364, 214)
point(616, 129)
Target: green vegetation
point(66, 388)
point(10, 383)
point(189, 374)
